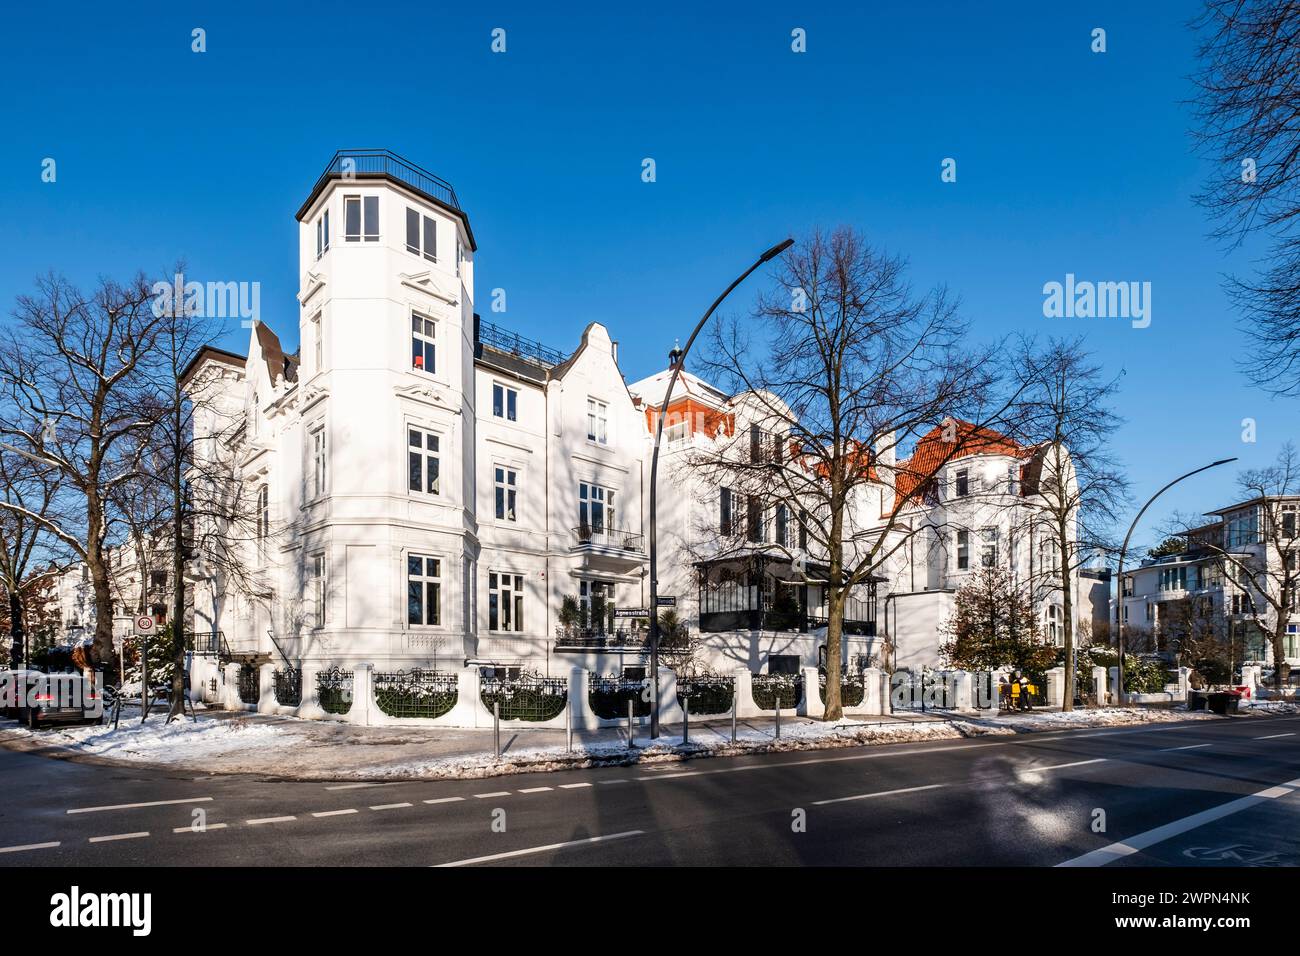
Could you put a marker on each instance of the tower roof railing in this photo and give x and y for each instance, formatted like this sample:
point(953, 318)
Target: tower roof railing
point(383, 162)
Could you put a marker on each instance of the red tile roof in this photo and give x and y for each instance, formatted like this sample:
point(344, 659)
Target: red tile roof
point(932, 452)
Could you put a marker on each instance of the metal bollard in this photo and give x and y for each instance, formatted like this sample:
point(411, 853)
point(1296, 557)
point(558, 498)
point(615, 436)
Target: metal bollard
point(735, 707)
point(778, 716)
point(496, 726)
point(631, 741)
point(569, 727)
point(686, 720)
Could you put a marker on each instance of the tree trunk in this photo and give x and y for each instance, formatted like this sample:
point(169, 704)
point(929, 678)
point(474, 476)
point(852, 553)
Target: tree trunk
point(1280, 667)
point(16, 630)
point(834, 708)
point(1067, 611)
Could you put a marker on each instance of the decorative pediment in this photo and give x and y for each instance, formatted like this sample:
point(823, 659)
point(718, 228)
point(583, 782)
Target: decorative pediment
point(428, 394)
point(313, 283)
point(424, 282)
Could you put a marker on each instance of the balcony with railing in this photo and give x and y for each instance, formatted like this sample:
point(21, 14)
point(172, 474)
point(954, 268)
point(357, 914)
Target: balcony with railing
point(363, 163)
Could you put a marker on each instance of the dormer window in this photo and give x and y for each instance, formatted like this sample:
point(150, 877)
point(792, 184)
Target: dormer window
point(423, 343)
point(963, 483)
point(361, 218)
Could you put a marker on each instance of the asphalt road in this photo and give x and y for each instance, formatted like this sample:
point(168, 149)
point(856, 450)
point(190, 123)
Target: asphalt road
point(1209, 793)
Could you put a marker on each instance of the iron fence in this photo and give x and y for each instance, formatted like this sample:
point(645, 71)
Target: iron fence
point(707, 695)
point(608, 697)
point(250, 685)
point(416, 693)
point(288, 687)
point(852, 689)
point(527, 697)
point(334, 690)
point(770, 689)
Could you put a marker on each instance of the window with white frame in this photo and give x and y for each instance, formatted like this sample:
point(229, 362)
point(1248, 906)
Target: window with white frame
point(963, 483)
point(323, 234)
point(421, 235)
point(316, 588)
point(422, 459)
point(963, 550)
point(1054, 627)
point(318, 463)
point(318, 324)
point(595, 507)
point(423, 589)
point(460, 254)
point(254, 416)
point(989, 548)
point(263, 513)
point(507, 482)
point(361, 218)
point(505, 601)
point(505, 402)
point(424, 338)
point(597, 421)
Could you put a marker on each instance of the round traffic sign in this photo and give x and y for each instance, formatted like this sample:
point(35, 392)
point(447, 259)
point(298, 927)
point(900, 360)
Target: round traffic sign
point(144, 624)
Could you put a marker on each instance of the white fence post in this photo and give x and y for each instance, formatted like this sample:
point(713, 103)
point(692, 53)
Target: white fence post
point(872, 702)
point(812, 704)
point(744, 690)
point(670, 712)
point(1100, 686)
point(230, 689)
point(962, 690)
point(309, 706)
point(1056, 687)
point(266, 689)
point(363, 695)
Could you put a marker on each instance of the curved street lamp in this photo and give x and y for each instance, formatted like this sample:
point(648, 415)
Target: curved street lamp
point(1119, 599)
point(654, 473)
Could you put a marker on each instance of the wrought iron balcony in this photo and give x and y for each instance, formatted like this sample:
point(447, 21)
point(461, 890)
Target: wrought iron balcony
point(383, 162)
point(589, 638)
point(613, 539)
point(505, 340)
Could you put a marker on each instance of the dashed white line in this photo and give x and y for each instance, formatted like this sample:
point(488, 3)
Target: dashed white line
point(203, 829)
point(356, 786)
point(120, 836)
point(1141, 841)
point(446, 800)
point(133, 806)
point(535, 789)
point(260, 820)
point(545, 849)
point(1062, 766)
point(334, 813)
point(1169, 750)
point(606, 783)
point(880, 793)
point(573, 786)
point(29, 846)
point(1274, 736)
point(494, 793)
point(390, 806)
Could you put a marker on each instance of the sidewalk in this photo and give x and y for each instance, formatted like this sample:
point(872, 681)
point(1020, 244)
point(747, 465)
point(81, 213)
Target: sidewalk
point(288, 748)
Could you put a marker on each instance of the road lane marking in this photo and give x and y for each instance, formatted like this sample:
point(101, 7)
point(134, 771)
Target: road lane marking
point(880, 793)
point(390, 806)
point(203, 829)
point(120, 836)
point(543, 849)
point(356, 786)
point(494, 793)
point(608, 782)
point(334, 813)
point(535, 789)
point(1169, 750)
point(446, 800)
point(260, 820)
point(134, 806)
point(1141, 841)
point(1062, 766)
point(29, 846)
point(573, 786)
point(1275, 736)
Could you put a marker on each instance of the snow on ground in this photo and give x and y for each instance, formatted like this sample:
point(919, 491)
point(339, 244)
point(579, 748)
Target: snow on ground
point(316, 750)
point(1271, 706)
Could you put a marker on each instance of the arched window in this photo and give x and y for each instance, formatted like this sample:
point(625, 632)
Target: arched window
point(263, 513)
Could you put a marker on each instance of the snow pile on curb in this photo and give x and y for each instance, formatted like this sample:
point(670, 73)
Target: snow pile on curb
point(180, 742)
point(1271, 706)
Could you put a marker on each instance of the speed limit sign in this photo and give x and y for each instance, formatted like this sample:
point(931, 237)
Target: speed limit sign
point(145, 625)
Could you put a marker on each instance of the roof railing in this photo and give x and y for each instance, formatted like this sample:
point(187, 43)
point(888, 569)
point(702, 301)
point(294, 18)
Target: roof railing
point(377, 162)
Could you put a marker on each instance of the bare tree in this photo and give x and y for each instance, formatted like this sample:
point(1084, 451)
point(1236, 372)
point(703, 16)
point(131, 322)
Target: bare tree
point(1249, 127)
point(1065, 413)
point(33, 491)
point(841, 364)
point(70, 376)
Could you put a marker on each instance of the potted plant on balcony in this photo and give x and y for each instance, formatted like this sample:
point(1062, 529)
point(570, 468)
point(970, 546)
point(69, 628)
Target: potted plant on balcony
point(570, 615)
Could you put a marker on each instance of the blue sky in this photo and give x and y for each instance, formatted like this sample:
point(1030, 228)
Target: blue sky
point(1067, 162)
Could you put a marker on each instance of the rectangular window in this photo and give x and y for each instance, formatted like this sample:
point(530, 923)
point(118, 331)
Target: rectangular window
point(361, 218)
point(372, 218)
point(754, 519)
point(421, 228)
point(423, 590)
point(318, 459)
point(505, 602)
point(963, 483)
point(783, 526)
point(963, 550)
point(412, 231)
point(507, 480)
point(803, 530)
point(1288, 521)
point(318, 323)
point(317, 589)
point(323, 234)
point(989, 548)
point(424, 337)
point(755, 444)
point(505, 402)
point(597, 421)
point(430, 239)
point(724, 511)
point(422, 461)
point(595, 507)
point(352, 218)
point(263, 513)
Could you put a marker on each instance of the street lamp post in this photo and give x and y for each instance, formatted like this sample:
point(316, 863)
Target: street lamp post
point(1119, 599)
point(654, 474)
